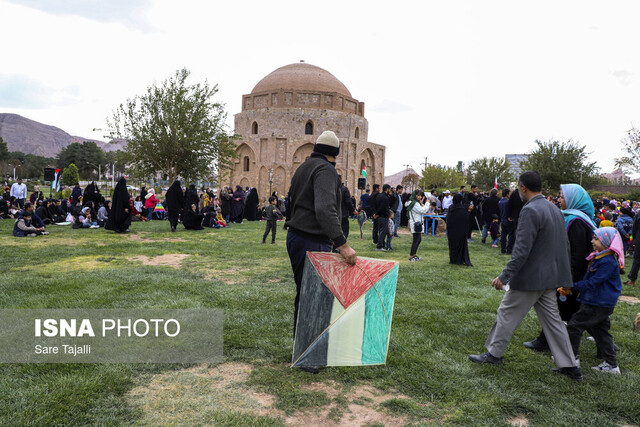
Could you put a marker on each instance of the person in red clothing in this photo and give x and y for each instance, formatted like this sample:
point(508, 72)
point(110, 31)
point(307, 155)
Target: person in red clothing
point(150, 202)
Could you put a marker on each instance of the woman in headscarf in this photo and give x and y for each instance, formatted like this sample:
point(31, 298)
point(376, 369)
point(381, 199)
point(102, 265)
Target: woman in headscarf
point(457, 222)
point(225, 203)
point(191, 198)
point(251, 208)
point(578, 211)
point(89, 194)
point(120, 218)
point(191, 219)
point(415, 209)
point(237, 204)
point(175, 203)
point(150, 202)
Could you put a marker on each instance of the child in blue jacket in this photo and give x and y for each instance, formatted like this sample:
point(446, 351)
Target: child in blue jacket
point(599, 292)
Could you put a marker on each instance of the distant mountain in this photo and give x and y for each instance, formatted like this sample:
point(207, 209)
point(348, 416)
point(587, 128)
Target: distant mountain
point(31, 137)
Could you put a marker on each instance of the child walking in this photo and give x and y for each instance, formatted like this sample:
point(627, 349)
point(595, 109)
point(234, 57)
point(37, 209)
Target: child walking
point(272, 214)
point(494, 229)
point(599, 292)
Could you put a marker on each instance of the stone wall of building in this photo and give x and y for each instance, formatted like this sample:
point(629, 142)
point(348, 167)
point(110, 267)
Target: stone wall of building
point(273, 144)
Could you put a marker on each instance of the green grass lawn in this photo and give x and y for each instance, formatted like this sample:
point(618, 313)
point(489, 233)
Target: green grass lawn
point(442, 314)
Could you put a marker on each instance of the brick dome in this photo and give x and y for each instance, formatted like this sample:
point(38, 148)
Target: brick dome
point(301, 76)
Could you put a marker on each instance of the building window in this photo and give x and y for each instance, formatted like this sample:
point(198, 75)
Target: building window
point(308, 128)
point(245, 163)
point(357, 132)
point(254, 128)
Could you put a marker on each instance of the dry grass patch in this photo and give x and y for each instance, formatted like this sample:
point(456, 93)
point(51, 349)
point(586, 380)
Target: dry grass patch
point(169, 260)
point(147, 238)
point(519, 421)
point(195, 394)
point(629, 300)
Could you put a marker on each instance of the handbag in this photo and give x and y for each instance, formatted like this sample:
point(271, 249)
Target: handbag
point(417, 225)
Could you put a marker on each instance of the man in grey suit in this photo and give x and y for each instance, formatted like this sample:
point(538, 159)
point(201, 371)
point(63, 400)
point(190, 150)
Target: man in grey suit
point(539, 264)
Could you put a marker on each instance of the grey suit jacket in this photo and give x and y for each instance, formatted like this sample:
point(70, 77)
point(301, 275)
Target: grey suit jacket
point(540, 257)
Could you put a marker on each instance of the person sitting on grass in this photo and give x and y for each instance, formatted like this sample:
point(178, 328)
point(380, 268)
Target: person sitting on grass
point(103, 213)
point(86, 219)
point(599, 292)
point(24, 228)
point(191, 219)
point(135, 214)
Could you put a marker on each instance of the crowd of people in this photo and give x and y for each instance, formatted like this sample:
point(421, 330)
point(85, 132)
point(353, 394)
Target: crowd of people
point(567, 250)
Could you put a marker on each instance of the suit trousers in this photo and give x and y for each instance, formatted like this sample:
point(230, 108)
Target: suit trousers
point(514, 307)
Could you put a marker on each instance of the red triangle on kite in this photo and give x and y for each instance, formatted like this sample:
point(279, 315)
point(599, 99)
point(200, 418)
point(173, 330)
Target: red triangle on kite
point(348, 283)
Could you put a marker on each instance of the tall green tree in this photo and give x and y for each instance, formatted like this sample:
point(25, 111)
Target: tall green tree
point(437, 176)
point(70, 175)
point(87, 157)
point(484, 171)
point(631, 145)
point(4, 150)
point(562, 163)
point(175, 129)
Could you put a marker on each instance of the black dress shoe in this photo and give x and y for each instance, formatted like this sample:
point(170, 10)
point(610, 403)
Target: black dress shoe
point(535, 345)
point(485, 358)
point(573, 372)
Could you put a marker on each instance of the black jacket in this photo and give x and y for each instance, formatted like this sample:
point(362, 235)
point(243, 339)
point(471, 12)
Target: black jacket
point(514, 206)
point(382, 205)
point(490, 207)
point(346, 203)
point(314, 201)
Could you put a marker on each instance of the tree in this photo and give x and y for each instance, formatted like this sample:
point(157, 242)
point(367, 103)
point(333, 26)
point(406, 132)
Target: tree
point(70, 175)
point(174, 129)
point(484, 171)
point(437, 176)
point(88, 157)
point(561, 163)
point(4, 150)
point(631, 144)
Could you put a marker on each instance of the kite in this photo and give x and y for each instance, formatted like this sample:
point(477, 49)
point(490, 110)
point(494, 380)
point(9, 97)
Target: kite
point(344, 316)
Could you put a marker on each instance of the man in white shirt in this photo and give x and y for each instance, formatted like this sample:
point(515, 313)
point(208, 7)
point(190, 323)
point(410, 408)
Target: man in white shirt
point(19, 191)
point(447, 200)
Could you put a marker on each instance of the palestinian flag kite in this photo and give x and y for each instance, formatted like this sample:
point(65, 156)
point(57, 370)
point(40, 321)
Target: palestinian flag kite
point(364, 171)
point(344, 316)
point(55, 184)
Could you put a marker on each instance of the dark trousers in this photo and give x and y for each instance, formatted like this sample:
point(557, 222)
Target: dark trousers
point(633, 273)
point(20, 203)
point(512, 236)
point(374, 231)
point(417, 238)
point(506, 233)
point(271, 227)
point(382, 225)
point(345, 226)
point(596, 319)
point(297, 247)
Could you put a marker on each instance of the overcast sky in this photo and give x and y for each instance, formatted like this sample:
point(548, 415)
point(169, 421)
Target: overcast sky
point(451, 80)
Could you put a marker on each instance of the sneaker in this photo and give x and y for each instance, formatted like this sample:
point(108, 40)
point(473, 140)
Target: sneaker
point(414, 259)
point(273, 243)
point(381, 249)
point(494, 246)
point(572, 372)
point(485, 358)
point(94, 226)
point(45, 233)
point(605, 367)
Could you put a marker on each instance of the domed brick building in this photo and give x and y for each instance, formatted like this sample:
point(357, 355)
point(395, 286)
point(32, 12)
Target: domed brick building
point(280, 121)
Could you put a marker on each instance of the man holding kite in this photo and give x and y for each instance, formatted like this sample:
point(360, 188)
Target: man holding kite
point(314, 222)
